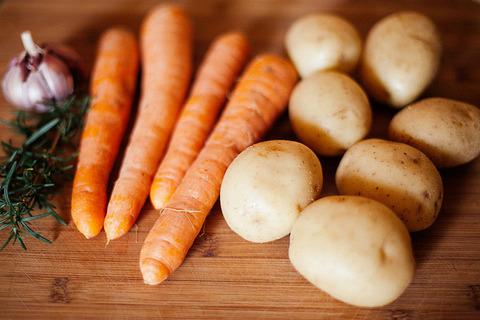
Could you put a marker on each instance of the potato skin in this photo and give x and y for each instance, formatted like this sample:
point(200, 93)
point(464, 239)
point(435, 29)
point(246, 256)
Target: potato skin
point(323, 42)
point(355, 249)
point(267, 186)
point(401, 58)
point(395, 174)
point(447, 131)
point(329, 112)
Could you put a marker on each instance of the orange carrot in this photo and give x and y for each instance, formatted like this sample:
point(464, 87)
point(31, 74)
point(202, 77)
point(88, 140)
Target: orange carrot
point(166, 43)
point(216, 75)
point(112, 89)
point(260, 96)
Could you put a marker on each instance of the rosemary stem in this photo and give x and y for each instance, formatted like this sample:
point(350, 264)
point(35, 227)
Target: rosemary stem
point(31, 172)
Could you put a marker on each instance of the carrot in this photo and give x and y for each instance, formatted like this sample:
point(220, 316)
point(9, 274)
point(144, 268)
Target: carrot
point(260, 96)
point(216, 75)
point(112, 89)
point(166, 44)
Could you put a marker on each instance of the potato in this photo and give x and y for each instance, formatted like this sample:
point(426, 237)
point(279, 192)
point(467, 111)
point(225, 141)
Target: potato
point(395, 174)
point(447, 131)
point(329, 112)
point(401, 58)
point(267, 186)
point(354, 249)
point(321, 42)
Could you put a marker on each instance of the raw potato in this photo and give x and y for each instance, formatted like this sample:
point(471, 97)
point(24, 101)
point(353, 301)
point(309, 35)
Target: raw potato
point(447, 131)
point(401, 58)
point(267, 186)
point(397, 175)
point(329, 112)
point(353, 248)
point(322, 42)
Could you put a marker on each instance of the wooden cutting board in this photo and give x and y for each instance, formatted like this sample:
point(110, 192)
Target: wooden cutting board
point(223, 275)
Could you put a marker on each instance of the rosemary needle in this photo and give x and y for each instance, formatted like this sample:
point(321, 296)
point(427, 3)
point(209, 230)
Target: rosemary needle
point(32, 172)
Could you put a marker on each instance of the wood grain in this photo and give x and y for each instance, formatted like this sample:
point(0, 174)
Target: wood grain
point(224, 276)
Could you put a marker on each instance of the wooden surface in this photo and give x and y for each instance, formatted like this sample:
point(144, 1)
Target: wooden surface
point(223, 275)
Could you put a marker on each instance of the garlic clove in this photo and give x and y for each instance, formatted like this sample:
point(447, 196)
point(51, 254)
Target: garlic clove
point(37, 90)
point(57, 77)
point(13, 86)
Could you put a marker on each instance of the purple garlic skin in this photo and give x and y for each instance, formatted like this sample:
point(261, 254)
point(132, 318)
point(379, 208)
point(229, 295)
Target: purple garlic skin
point(70, 57)
point(37, 77)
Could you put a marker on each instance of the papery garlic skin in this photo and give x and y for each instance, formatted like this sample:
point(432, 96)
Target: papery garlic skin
point(35, 78)
point(57, 77)
point(13, 86)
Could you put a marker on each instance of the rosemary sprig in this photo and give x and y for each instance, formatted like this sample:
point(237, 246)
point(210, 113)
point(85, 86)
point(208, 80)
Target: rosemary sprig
point(32, 172)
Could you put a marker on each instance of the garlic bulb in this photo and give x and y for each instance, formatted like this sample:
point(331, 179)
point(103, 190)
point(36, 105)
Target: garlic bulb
point(37, 76)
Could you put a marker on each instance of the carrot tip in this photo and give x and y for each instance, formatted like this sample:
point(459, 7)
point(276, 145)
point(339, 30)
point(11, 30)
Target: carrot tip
point(159, 197)
point(153, 271)
point(158, 203)
point(114, 230)
point(87, 236)
point(88, 231)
